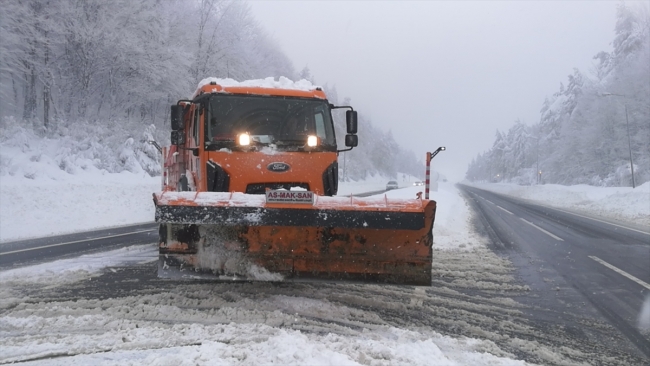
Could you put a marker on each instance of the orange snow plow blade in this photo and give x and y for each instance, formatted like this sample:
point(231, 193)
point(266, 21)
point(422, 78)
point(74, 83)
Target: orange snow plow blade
point(241, 236)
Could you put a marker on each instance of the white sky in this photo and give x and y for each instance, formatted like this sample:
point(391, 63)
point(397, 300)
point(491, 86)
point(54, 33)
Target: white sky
point(442, 73)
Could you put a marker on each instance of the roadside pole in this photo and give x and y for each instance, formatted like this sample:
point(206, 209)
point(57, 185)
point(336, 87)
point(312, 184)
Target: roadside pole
point(430, 155)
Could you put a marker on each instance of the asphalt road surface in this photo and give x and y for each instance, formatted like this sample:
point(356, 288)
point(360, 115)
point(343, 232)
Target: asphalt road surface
point(31, 251)
point(573, 264)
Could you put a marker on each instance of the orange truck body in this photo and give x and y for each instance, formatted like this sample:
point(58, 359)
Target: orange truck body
point(216, 218)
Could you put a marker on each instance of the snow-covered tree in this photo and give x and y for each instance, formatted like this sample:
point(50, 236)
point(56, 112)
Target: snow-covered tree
point(592, 130)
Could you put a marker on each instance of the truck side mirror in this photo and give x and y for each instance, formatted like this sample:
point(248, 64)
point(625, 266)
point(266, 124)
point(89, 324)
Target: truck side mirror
point(351, 140)
point(178, 137)
point(177, 117)
point(351, 122)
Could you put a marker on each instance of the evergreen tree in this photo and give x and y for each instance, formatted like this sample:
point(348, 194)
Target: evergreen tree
point(591, 130)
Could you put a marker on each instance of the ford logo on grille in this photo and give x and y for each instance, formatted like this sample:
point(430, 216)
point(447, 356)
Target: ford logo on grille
point(278, 167)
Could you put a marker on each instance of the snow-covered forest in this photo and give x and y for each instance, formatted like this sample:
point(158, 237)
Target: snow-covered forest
point(98, 77)
point(592, 127)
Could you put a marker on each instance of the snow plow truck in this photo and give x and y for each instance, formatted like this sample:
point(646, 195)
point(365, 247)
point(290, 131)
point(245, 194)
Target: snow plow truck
point(249, 190)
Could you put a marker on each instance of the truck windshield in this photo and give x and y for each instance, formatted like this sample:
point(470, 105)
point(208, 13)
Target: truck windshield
point(284, 122)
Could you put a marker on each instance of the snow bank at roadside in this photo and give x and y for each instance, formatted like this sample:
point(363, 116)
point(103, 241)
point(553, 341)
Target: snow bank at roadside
point(618, 203)
point(43, 207)
point(452, 228)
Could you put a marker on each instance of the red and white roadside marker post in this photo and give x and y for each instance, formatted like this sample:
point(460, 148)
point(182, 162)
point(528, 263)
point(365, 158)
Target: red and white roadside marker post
point(430, 155)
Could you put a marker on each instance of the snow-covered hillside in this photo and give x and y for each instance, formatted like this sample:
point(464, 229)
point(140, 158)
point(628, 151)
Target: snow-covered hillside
point(41, 208)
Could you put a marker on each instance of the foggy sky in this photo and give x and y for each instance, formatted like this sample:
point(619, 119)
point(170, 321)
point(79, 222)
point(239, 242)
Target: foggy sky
point(442, 73)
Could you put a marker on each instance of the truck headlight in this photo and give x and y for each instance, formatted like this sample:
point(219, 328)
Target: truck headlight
point(312, 141)
point(244, 139)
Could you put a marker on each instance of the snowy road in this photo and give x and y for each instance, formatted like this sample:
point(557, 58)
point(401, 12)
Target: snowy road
point(126, 314)
point(575, 264)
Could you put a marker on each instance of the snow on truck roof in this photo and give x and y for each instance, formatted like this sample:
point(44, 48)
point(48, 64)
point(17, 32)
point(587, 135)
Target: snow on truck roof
point(269, 86)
